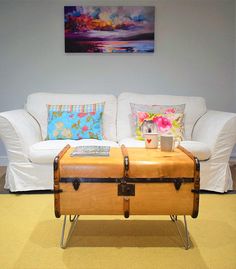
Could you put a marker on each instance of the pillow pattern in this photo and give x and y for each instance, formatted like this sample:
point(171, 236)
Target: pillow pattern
point(163, 109)
point(57, 129)
point(77, 108)
point(73, 125)
point(168, 123)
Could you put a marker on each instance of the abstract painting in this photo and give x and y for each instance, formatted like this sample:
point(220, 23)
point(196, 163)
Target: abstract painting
point(100, 29)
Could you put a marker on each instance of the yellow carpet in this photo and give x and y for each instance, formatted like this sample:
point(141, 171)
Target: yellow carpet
point(30, 235)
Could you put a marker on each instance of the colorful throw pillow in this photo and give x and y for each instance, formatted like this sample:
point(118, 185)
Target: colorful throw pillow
point(163, 109)
point(74, 125)
point(77, 108)
point(168, 123)
point(75, 121)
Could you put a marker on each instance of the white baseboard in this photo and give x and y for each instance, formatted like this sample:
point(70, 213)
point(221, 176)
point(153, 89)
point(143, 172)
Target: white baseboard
point(3, 161)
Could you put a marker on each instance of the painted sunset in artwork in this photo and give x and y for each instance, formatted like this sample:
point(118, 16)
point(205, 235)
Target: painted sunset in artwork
point(109, 29)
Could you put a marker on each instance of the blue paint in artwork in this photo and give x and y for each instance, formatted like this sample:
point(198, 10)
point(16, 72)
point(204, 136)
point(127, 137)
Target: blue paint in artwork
point(96, 13)
point(139, 18)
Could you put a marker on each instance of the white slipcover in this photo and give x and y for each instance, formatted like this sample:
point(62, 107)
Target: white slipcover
point(195, 107)
point(198, 149)
point(44, 152)
point(211, 136)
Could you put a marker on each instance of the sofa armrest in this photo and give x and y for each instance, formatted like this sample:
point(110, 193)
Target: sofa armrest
point(218, 130)
point(18, 131)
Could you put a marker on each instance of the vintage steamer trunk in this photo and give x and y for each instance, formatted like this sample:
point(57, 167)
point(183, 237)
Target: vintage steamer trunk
point(134, 181)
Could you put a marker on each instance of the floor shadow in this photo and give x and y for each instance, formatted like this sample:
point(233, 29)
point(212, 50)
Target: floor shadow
point(133, 243)
point(112, 233)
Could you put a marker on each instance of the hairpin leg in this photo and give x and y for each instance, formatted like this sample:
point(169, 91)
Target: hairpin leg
point(72, 227)
point(185, 240)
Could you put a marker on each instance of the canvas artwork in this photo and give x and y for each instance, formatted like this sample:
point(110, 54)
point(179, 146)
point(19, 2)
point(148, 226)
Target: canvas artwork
point(109, 29)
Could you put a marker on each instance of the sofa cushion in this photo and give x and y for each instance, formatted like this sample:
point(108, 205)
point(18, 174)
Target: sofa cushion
point(198, 149)
point(37, 106)
point(44, 152)
point(195, 107)
point(132, 142)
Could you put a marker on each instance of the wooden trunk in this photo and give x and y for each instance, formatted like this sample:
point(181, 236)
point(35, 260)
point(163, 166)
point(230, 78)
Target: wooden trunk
point(134, 181)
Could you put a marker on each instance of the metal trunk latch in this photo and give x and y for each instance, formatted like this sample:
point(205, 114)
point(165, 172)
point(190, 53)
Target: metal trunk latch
point(125, 189)
point(76, 184)
point(177, 184)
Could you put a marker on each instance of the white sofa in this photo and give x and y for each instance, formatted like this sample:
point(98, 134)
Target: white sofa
point(209, 135)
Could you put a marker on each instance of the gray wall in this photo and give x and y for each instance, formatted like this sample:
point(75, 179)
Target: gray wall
point(194, 54)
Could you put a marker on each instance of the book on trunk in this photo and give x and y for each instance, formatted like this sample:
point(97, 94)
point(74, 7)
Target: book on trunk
point(91, 151)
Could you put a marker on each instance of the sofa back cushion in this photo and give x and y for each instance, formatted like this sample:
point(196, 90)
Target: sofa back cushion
point(37, 106)
point(195, 107)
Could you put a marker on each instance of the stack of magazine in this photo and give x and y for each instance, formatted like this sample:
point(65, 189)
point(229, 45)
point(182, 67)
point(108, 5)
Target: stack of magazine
point(91, 151)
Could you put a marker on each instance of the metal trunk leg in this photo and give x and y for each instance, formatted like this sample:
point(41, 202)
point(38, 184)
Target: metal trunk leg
point(186, 240)
point(72, 227)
